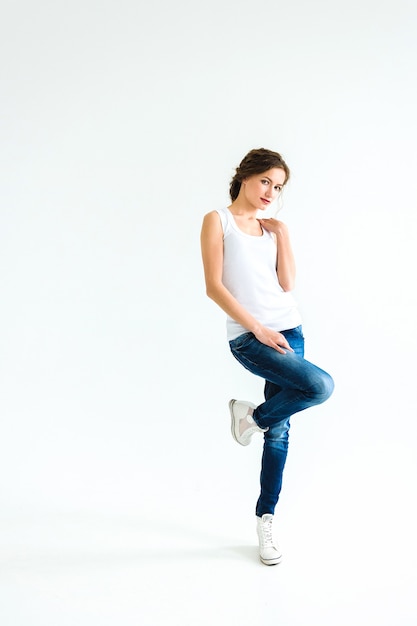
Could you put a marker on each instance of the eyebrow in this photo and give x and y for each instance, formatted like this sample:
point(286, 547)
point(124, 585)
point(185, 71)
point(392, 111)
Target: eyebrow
point(271, 181)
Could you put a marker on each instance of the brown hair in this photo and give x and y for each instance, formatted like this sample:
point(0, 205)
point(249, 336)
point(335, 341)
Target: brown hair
point(256, 162)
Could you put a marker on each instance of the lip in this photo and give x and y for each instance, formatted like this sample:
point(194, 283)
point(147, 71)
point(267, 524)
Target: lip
point(265, 201)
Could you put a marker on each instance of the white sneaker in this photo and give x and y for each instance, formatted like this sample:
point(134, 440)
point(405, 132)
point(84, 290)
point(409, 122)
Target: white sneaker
point(269, 552)
point(243, 424)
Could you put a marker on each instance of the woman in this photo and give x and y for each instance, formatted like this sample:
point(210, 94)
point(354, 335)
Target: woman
point(249, 272)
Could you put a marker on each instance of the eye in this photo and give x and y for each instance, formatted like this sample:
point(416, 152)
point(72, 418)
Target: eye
point(264, 181)
point(278, 188)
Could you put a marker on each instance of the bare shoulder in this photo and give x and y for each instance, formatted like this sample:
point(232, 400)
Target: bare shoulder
point(212, 216)
point(212, 222)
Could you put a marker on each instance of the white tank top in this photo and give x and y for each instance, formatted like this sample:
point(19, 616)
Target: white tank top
point(249, 273)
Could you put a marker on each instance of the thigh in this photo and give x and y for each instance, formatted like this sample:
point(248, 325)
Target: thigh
point(295, 338)
point(289, 370)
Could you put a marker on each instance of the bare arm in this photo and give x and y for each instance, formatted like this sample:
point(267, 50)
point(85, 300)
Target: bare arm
point(212, 253)
point(285, 256)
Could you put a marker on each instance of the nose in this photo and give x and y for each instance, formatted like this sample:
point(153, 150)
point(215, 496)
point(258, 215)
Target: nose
point(272, 192)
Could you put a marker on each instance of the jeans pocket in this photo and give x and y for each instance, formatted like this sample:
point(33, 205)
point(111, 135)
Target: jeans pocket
point(295, 338)
point(241, 341)
point(299, 331)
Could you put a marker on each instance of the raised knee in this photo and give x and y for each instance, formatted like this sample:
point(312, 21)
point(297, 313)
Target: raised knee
point(323, 388)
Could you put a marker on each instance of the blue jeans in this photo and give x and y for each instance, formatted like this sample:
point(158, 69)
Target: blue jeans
point(292, 384)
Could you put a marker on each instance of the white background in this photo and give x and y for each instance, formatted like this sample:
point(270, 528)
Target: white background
point(124, 497)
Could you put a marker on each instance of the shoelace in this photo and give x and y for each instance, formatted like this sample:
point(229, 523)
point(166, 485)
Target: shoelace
point(267, 534)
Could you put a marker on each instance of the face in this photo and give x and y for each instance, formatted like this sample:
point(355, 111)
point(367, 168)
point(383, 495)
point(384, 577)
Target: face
point(261, 190)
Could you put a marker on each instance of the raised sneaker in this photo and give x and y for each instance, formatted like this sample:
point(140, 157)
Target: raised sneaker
point(243, 424)
point(269, 552)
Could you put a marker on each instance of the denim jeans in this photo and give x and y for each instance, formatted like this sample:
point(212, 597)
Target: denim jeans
point(292, 384)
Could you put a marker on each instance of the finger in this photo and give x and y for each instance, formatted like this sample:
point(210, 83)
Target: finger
point(278, 348)
point(286, 345)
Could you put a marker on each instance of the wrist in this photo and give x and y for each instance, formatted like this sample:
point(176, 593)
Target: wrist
point(282, 231)
point(256, 328)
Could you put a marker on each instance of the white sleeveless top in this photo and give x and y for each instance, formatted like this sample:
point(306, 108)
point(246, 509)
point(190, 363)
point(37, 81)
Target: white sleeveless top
point(249, 273)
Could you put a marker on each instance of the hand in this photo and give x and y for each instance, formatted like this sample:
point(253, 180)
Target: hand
point(273, 339)
point(273, 225)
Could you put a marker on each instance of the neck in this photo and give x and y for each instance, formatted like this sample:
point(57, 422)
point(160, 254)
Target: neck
point(239, 207)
